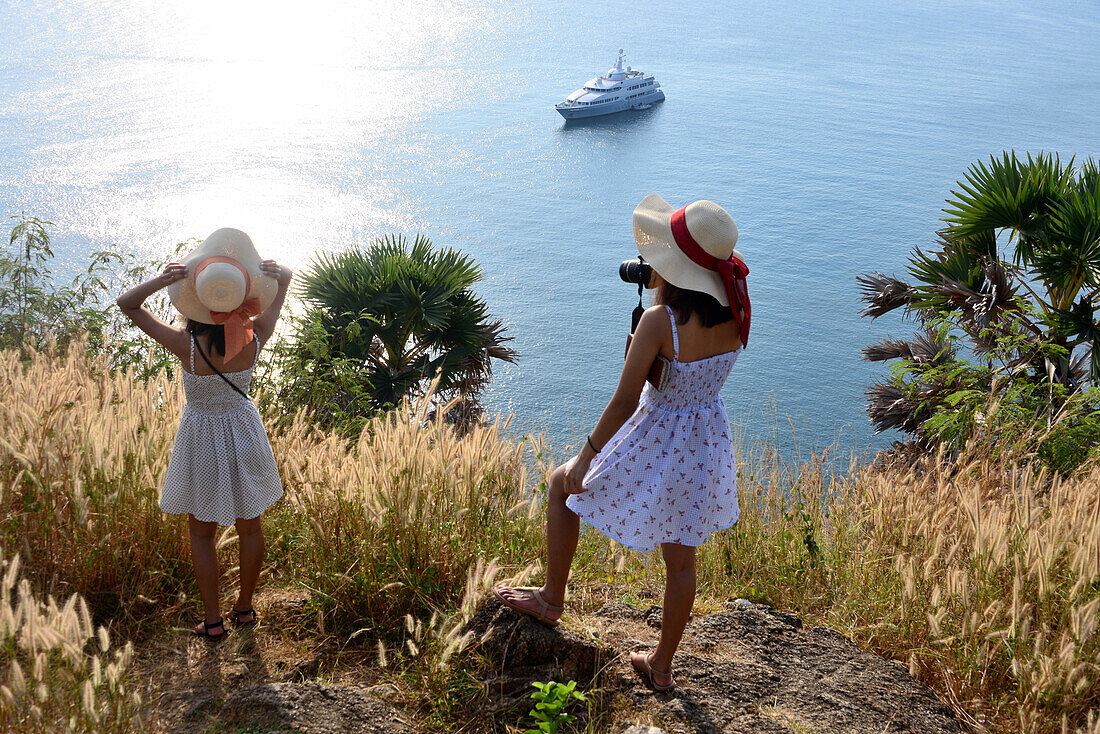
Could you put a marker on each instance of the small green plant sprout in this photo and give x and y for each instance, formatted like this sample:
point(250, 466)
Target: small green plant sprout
point(552, 699)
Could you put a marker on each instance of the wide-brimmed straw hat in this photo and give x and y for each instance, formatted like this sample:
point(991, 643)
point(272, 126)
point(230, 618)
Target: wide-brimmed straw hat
point(695, 248)
point(709, 225)
point(224, 284)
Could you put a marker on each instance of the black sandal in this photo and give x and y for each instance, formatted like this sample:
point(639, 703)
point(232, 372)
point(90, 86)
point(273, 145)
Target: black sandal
point(235, 616)
point(207, 626)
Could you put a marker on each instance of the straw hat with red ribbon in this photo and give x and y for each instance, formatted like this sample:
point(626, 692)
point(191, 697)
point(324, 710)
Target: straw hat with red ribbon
point(224, 285)
point(693, 248)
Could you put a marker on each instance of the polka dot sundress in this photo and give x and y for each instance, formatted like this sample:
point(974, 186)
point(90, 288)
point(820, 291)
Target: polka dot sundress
point(669, 474)
point(222, 468)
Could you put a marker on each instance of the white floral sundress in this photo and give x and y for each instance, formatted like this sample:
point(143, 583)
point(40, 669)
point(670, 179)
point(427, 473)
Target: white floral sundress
point(669, 474)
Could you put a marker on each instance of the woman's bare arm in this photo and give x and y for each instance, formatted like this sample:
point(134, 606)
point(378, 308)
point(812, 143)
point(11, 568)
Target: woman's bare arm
point(265, 322)
point(652, 332)
point(132, 303)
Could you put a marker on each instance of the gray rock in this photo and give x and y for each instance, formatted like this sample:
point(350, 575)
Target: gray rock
point(312, 708)
point(751, 669)
point(198, 704)
point(383, 691)
point(517, 642)
point(754, 669)
point(616, 610)
point(304, 669)
point(641, 729)
point(521, 651)
point(653, 617)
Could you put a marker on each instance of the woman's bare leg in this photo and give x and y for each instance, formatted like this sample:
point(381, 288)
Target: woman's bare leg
point(251, 538)
point(204, 557)
point(562, 529)
point(679, 598)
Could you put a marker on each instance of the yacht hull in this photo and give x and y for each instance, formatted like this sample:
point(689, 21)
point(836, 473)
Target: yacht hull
point(574, 112)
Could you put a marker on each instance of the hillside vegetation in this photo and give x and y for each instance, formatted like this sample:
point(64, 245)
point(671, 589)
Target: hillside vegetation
point(979, 571)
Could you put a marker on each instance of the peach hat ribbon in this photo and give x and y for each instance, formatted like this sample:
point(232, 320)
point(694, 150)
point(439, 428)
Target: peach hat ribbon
point(238, 322)
point(238, 325)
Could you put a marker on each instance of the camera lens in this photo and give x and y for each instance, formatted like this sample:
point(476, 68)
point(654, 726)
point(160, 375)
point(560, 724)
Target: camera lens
point(636, 271)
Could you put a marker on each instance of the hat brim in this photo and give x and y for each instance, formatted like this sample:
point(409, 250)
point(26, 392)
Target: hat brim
point(262, 287)
point(653, 236)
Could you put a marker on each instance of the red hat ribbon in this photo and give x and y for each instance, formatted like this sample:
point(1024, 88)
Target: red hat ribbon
point(732, 271)
point(238, 322)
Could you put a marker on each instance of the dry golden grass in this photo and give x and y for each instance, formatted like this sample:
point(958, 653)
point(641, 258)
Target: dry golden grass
point(985, 577)
point(979, 573)
point(982, 574)
point(58, 671)
point(392, 523)
point(82, 455)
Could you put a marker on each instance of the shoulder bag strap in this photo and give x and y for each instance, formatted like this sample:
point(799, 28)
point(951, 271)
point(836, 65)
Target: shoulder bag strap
point(216, 370)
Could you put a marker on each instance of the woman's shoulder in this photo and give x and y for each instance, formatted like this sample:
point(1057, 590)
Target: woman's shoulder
point(656, 313)
point(655, 322)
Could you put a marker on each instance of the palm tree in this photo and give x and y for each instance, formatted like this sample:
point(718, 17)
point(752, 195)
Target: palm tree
point(1041, 302)
point(398, 318)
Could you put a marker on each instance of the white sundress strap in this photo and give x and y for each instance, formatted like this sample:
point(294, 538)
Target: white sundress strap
point(192, 354)
point(256, 356)
point(675, 336)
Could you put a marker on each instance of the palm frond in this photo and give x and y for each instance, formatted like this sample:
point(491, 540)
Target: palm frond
point(1009, 194)
point(1085, 366)
point(883, 293)
point(889, 406)
point(887, 349)
point(926, 347)
point(950, 263)
point(1073, 256)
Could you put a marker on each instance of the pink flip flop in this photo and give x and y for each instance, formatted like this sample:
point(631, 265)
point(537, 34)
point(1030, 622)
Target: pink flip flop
point(640, 661)
point(541, 614)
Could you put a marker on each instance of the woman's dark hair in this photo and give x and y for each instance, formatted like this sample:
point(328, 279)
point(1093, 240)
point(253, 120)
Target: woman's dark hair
point(684, 303)
point(216, 332)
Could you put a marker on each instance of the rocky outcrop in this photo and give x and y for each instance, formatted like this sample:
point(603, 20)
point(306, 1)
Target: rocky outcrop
point(523, 651)
point(750, 669)
point(312, 708)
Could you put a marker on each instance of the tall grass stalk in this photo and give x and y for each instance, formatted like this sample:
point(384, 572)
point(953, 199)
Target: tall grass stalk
point(984, 576)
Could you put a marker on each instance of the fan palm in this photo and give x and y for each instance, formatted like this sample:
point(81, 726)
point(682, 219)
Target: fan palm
point(1044, 216)
point(402, 316)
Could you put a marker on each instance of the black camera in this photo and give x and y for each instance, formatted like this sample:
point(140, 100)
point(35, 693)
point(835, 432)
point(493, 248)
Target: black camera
point(636, 271)
point(640, 273)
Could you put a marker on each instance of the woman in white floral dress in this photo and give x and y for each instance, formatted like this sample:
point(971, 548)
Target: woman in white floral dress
point(658, 469)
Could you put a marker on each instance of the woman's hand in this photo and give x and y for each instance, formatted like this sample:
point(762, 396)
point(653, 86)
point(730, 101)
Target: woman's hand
point(575, 469)
point(173, 272)
point(281, 273)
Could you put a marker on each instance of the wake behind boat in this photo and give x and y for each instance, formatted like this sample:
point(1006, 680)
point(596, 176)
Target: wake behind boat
point(617, 90)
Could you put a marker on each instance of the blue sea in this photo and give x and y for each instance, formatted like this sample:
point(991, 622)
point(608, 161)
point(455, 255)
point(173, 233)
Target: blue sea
point(832, 131)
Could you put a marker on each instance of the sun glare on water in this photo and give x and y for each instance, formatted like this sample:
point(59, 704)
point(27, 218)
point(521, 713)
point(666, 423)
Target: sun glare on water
point(206, 114)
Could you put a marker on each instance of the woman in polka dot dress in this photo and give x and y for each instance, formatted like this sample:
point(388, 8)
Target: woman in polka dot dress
point(658, 469)
point(222, 470)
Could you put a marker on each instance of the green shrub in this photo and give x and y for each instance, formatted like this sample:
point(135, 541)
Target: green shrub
point(37, 312)
point(552, 699)
point(388, 323)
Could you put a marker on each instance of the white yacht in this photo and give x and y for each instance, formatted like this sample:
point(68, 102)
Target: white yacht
point(617, 90)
